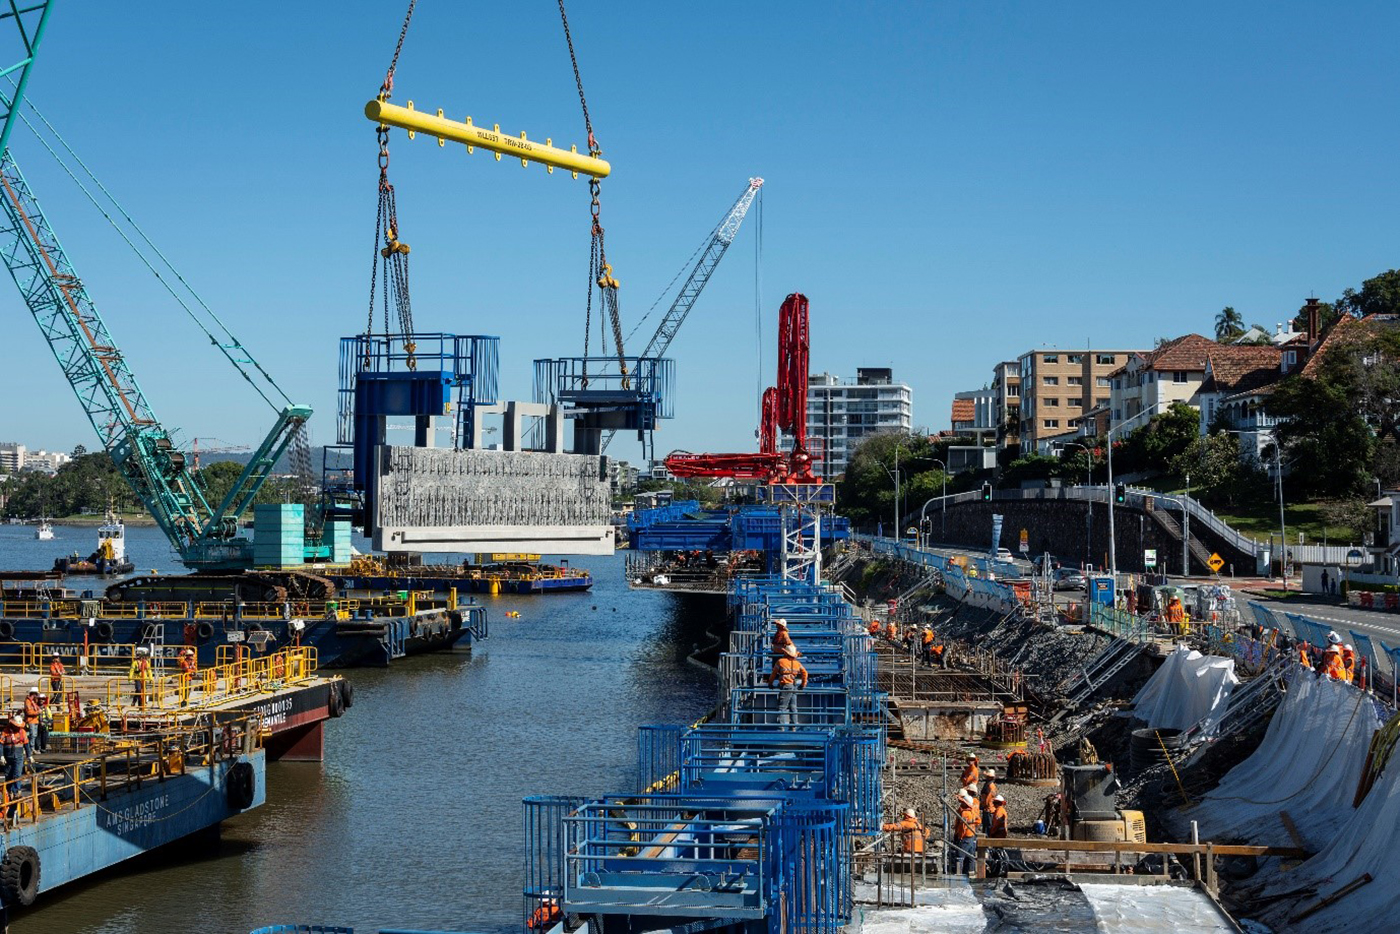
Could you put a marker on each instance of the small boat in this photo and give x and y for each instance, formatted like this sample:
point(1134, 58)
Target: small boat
point(109, 558)
point(44, 532)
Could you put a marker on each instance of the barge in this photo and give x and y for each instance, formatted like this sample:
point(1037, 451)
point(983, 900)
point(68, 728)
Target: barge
point(106, 798)
point(259, 612)
point(491, 574)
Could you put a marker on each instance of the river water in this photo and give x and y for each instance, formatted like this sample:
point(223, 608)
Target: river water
point(414, 819)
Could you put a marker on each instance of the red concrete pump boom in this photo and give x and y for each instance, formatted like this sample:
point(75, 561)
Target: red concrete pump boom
point(784, 408)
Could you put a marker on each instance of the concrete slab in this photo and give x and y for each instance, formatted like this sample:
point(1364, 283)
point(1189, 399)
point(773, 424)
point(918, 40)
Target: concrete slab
point(436, 500)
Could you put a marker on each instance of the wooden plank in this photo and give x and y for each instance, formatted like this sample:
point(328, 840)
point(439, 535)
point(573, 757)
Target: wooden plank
point(1121, 846)
point(1338, 895)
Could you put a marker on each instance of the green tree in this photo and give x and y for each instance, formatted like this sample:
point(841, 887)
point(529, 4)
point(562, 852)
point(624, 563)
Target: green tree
point(1220, 475)
point(1324, 434)
point(1229, 324)
point(1379, 295)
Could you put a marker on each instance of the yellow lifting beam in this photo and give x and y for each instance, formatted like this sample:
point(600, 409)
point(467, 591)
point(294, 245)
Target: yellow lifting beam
point(414, 121)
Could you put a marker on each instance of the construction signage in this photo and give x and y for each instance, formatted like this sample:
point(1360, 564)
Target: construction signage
point(1216, 562)
point(1025, 541)
point(1149, 557)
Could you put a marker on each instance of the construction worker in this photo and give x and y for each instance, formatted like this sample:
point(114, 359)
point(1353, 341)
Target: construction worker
point(969, 775)
point(964, 852)
point(546, 915)
point(928, 645)
point(781, 639)
point(14, 740)
point(56, 673)
point(140, 675)
point(1332, 665)
point(188, 668)
point(989, 791)
point(1176, 616)
point(911, 832)
point(1000, 823)
point(789, 676)
point(31, 718)
point(874, 629)
point(1304, 656)
point(892, 631)
point(45, 722)
point(1349, 662)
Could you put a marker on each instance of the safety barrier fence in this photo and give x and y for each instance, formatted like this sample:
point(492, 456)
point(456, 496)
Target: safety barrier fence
point(1122, 624)
point(121, 695)
point(116, 763)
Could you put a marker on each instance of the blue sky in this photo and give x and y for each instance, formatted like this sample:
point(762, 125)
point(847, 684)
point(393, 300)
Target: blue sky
point(950, 184)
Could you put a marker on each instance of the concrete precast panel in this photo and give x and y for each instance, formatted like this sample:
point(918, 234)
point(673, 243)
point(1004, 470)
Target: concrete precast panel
point(440, 500)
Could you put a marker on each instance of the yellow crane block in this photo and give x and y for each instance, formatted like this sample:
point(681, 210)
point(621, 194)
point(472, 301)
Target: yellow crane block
point(548, 155)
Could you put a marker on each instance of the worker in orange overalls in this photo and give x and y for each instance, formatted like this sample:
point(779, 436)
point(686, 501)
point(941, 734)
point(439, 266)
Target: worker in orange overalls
point(989, 791)
point(964, 853)
point(875, 628)
point(1000, 821)
point(789, 676)
point(928, 645)
point(56, 674)
point(1349, 662)
point(189, 667)
point(892, 631)
point(1176, 616)
point(781, 639)
point(1332, 665)
point(547, 915)
point(1304, 657)
point(32, 708)
point(969, 775)
point(911, 832)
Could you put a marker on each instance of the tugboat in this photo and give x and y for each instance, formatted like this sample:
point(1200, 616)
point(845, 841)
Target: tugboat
point(44, 532)
point(109, 560)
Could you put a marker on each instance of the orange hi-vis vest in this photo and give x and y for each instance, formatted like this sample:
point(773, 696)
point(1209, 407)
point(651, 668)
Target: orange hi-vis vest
point(968, 822)
point(911, 833)
point(788, 671)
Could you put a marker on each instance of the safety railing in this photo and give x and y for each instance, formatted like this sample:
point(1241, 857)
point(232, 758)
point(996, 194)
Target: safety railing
point(230, 679)
point(121, 763)
point(1121, 623)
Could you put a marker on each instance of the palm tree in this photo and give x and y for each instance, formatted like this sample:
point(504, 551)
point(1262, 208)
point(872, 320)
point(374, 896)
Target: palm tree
point(1228, 324)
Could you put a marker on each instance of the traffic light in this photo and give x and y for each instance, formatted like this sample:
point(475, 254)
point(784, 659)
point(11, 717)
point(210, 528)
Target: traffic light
point(986, 492)
point(1120, 494)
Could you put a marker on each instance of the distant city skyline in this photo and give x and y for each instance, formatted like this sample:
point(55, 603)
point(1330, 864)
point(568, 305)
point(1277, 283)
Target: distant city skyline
point(1099, 175)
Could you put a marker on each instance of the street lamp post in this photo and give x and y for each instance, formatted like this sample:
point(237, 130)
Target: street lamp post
point(1089, 502)
point(1186, 530)
point(1112, 539)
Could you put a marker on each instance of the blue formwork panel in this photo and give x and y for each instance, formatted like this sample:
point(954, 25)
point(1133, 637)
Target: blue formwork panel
point(697, 535)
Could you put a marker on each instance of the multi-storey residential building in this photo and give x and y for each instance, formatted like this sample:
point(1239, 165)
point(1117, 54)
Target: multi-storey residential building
point(1006, 406)
point(842, 411)
point(11, 457)
point(974, 415)
point(1058, 387)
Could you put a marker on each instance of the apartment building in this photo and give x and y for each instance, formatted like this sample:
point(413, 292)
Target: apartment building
point(841, 411)
point(1058, 387)
point(1006, 403)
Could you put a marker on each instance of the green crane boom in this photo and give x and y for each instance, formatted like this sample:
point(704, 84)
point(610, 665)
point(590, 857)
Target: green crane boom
point(205, 536)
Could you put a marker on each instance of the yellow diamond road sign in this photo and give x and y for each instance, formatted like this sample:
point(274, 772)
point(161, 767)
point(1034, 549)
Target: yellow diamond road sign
point(1216, 563)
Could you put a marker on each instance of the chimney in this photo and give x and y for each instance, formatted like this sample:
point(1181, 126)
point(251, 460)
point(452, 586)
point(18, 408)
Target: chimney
point(1313, 311)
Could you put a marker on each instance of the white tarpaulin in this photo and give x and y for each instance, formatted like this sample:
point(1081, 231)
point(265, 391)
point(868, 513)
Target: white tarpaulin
point(1308, 764)
point(1188, 689)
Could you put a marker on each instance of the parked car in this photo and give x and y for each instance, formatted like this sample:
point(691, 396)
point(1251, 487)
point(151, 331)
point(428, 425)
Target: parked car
point(1004, 554)
point(1069, 579)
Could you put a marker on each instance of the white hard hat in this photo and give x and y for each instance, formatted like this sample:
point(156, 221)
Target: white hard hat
point(1348, 647)
point(55, 653)
point(33, 690)
point(780, 622)
point(909, 812)
point(999, 799)
point(991, 773)
point(142, 650)
point(1333, 638)
point(966, 798)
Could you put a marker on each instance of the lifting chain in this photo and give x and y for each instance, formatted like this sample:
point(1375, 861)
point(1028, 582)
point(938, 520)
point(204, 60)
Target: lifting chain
point(599, 269)
point(394, 252)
